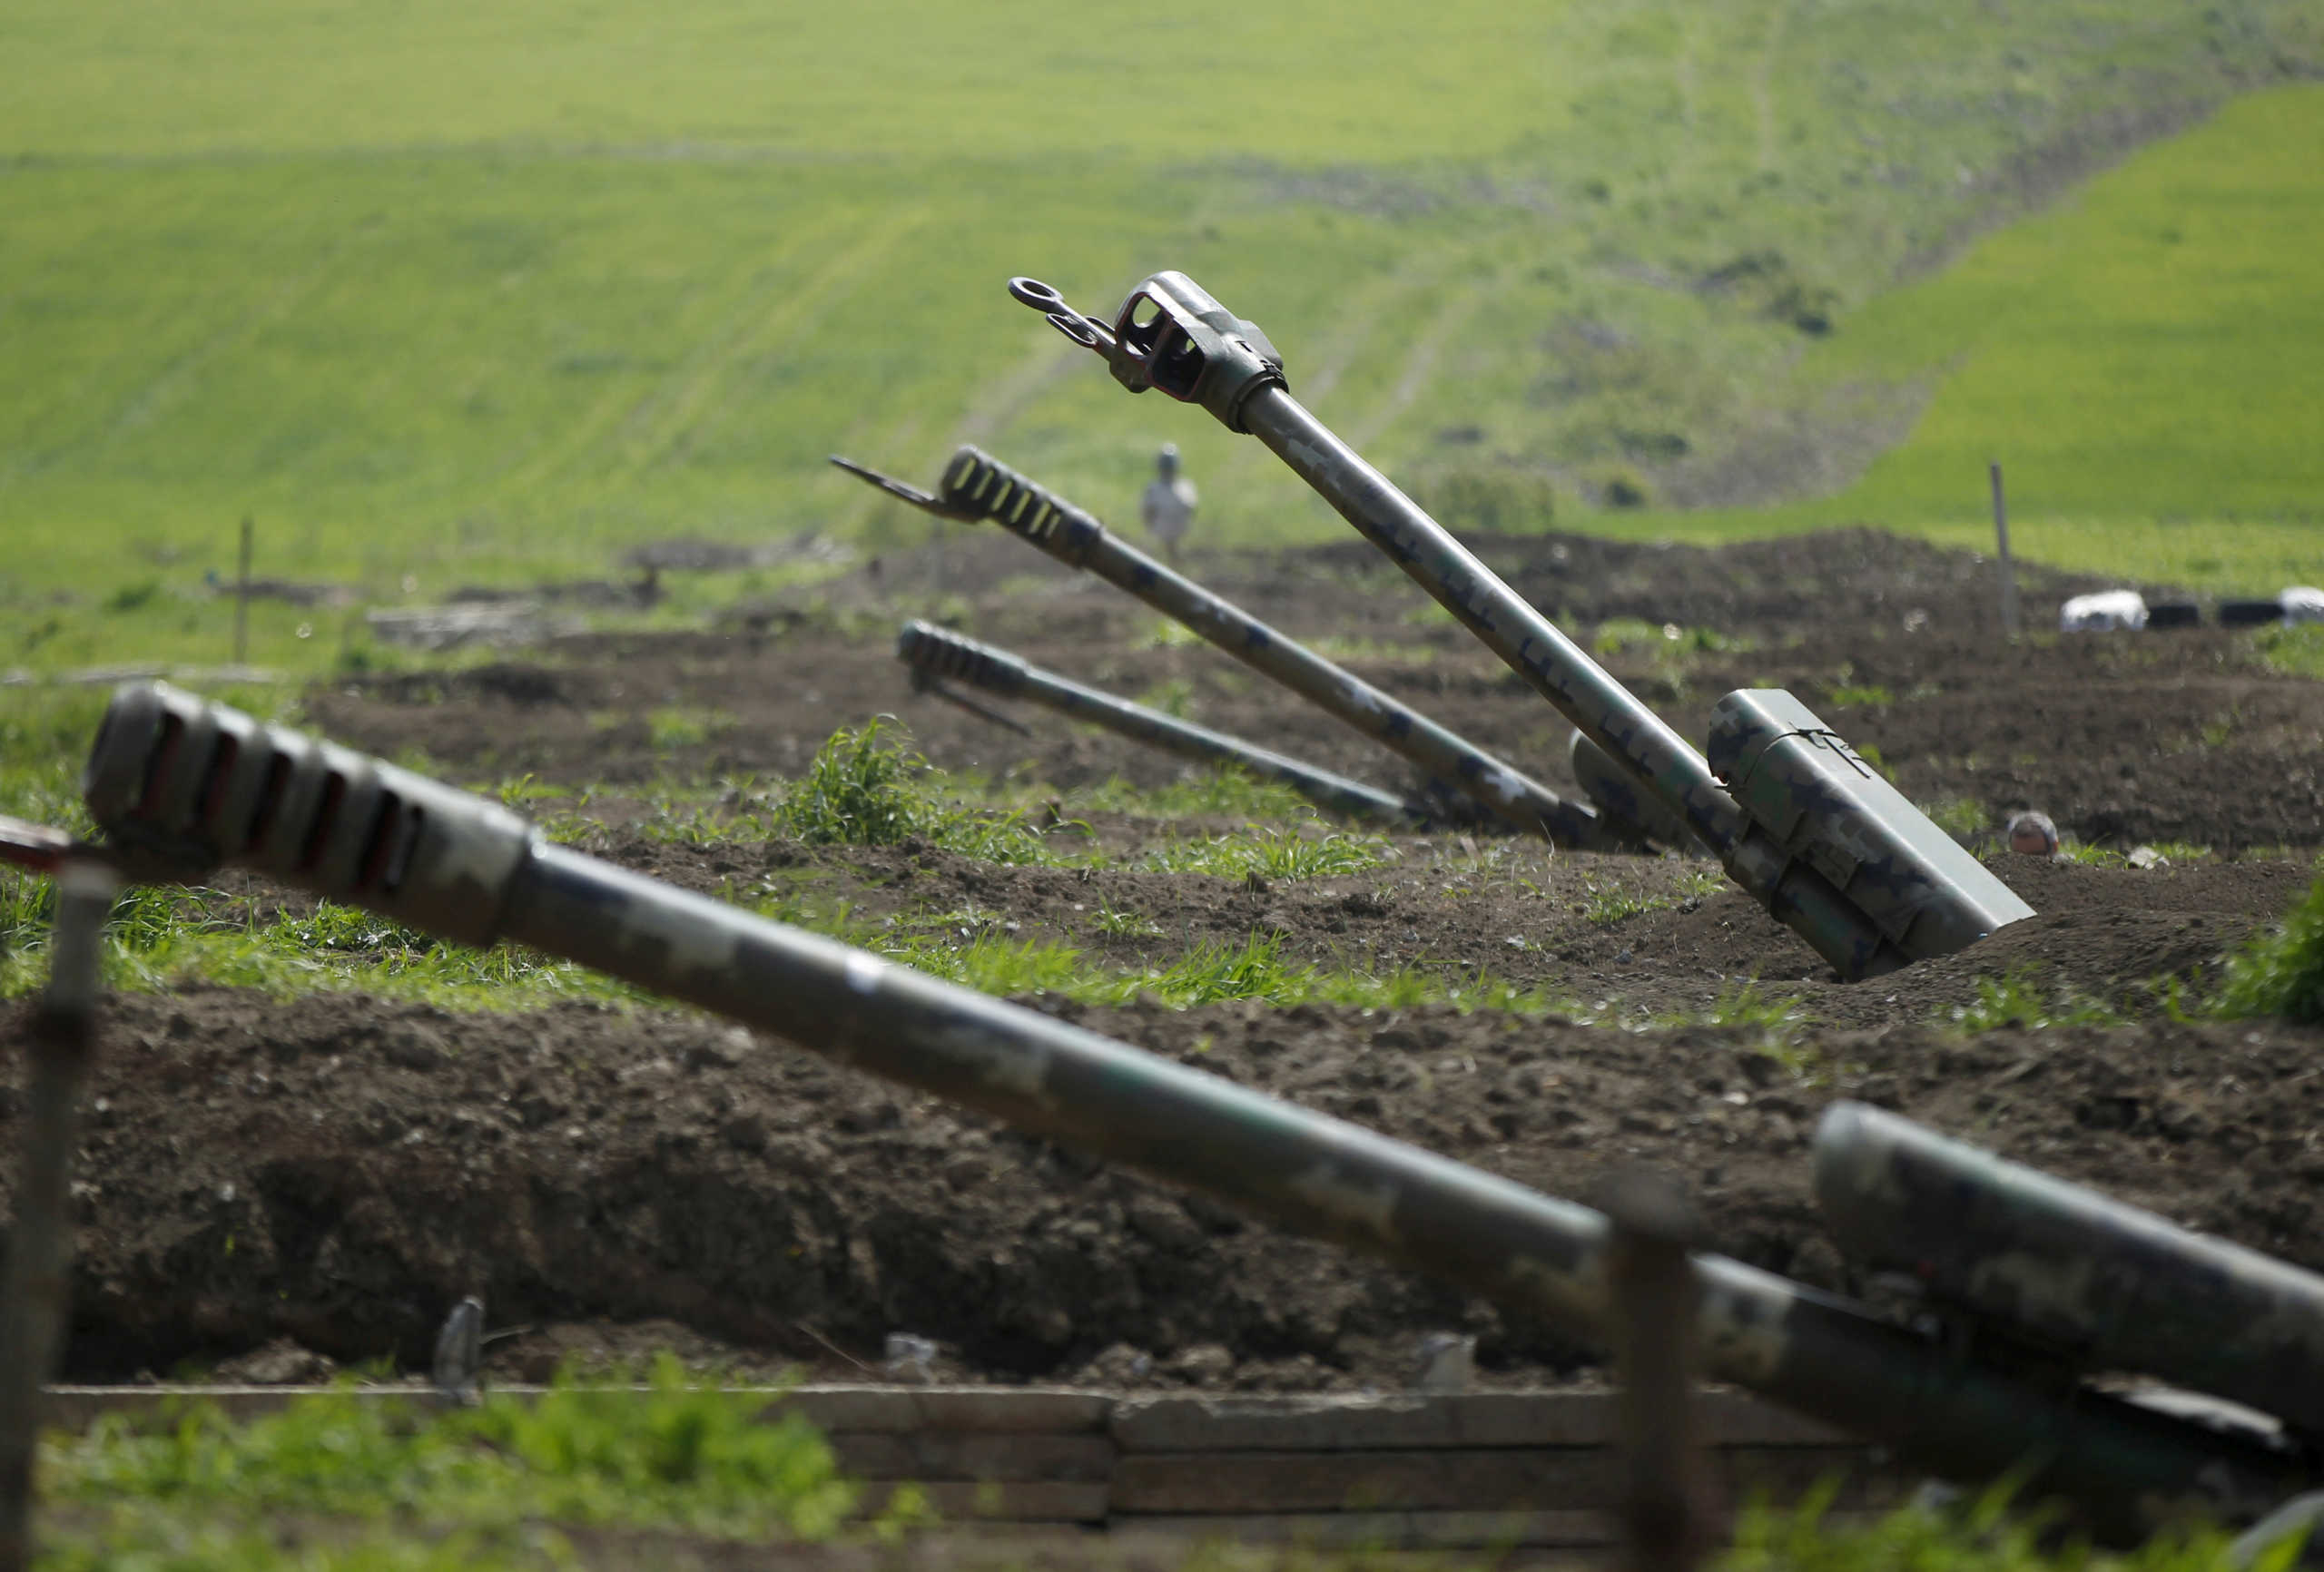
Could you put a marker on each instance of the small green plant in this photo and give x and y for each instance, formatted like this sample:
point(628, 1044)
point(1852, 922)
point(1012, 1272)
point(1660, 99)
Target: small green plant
point(1616, 635)
point(1985, 1536)
point(2279, 972)
point(1173, 697)
point(1745, 1005)
point(1213, 971)
point(1962, 818)
point(526, 790)
point(1220, 793)
point(1115, 923)
point(1333, 647)
point(863, 788)
point(2296, 649)
point(1273, 853)
point(1860, 696)
point(2017, 999)
point(676, 726)
point(677, 1455)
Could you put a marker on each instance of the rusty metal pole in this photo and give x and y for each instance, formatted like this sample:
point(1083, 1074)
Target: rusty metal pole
point(2001, 542)
point(1667, 1503)
point(40, 1249)
point(242, 601)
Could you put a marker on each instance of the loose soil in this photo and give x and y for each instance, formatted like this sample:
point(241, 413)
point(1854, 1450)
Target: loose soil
point(337, 1170)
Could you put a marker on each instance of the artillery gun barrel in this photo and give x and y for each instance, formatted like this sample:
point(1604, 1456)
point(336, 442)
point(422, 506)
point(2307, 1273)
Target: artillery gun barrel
point(1863, 876)
point(182, 781)
point(1630, 736)
point(940, 652)
point(977, 485)
point(2105, 1285)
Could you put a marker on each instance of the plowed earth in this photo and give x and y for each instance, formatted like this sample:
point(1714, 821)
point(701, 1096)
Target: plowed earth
point(337, 1170)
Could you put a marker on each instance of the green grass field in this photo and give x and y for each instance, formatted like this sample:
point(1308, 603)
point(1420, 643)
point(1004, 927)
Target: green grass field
point(2147, 361)
point(483, 292)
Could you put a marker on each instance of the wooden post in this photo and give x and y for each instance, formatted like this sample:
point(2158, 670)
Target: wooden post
point(1667, 1503)
point(40, 1249)
point(2008, 569)
point(242, 600)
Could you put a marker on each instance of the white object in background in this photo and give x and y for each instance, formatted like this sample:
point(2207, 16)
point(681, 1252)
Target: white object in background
point(911, 1359)
point(459, 1369)
point(2108, 611)
point(1168, 505)
point(2302, 604)
point(2032, 834)
point(1445, 1362)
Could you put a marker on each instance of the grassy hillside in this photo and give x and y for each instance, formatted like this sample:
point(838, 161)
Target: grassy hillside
point(448, 293)
point(2146, 360)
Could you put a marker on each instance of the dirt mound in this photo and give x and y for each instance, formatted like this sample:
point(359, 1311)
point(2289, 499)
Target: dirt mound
point(338, 1172)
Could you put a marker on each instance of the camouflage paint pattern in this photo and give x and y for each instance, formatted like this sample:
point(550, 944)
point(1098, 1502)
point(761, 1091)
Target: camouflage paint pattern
point(1621, 798)
point(2104, 1285)
point(2128, 1470)
point(977, 487)
point(940, 652)
point(1633, 739)
point(1825, 805)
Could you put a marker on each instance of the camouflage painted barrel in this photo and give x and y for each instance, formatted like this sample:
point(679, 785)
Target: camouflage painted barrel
point(977, 485)
point(1172, 335)
point(2108, 1286)
point(940, 652)
point(188, 783)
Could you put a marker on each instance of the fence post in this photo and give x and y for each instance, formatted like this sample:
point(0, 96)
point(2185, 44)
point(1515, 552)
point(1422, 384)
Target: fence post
point(242, 600)
point(1668, 1505)
point(2008, 568)
point(40, 1249)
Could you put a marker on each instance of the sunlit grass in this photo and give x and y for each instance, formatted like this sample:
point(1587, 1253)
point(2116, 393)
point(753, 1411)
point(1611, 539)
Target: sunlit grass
point(442, 297)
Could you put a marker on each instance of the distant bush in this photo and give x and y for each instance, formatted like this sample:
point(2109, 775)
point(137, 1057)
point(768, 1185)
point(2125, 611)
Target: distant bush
point(133, 597)
point(2280, 971)
point(1622, 487)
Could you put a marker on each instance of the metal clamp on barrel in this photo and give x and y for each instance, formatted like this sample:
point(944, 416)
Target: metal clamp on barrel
point(1170, 335)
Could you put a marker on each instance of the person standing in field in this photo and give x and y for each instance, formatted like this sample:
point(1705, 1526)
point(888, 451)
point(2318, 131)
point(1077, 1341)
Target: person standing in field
point(1168, 509)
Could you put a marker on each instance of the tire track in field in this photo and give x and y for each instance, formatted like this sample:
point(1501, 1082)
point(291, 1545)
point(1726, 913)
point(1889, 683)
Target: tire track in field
point(692, 416)
point(175, 381)
point(1420, 360)
point(620, 406)
point(1358, 323)
point(1763, 80)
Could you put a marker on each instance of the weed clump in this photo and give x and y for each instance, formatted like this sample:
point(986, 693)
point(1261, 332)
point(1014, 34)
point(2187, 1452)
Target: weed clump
point(676, 1455)
point(2280, 971)
point(863, 788)
point(869, 787)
